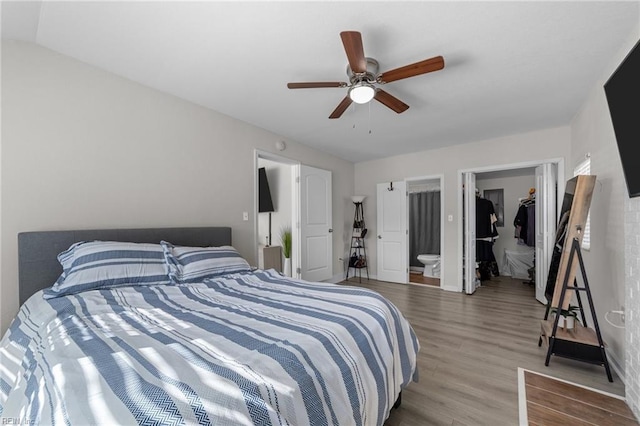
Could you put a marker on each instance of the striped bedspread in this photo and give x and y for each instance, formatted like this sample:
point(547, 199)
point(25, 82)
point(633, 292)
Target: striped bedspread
point(245, 349)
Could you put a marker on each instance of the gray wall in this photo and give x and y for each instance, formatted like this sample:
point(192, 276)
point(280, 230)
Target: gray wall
point(632, 303)
point(612, 262)
point(83, 148)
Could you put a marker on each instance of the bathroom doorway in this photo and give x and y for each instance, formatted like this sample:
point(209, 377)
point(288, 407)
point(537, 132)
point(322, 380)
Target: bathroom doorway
point(425, 229)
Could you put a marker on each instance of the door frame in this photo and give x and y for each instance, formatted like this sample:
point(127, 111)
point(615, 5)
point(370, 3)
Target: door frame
point(440, 178)
point(544, 241)
point(559, 162)
point(469, 258)
point(295, 205)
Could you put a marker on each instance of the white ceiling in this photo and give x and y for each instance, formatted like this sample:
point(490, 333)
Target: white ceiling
point(510, 67)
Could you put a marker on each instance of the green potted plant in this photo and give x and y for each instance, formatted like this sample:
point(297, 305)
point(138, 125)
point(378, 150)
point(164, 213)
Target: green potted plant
point(285, 240)
point(568, 317)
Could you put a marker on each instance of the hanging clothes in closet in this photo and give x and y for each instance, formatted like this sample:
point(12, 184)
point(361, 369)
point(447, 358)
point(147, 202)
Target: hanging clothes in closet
point(486, 234)
point(525, 224)
point(525, 220)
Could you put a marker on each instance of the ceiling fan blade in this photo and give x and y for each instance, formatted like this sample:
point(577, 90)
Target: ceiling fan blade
point(390, 101)
point(316, 84)
point(341, 108)
point(352, 41)
point(422, 67)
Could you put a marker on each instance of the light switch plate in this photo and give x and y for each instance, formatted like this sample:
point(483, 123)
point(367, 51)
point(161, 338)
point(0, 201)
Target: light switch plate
point(245, 215)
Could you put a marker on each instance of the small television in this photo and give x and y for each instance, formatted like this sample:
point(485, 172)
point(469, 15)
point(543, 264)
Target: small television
point(622, 91)
point(265, 203)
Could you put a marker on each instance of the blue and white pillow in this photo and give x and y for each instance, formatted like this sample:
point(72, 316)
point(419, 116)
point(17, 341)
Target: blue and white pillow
point(90, 265)
point(194, 264)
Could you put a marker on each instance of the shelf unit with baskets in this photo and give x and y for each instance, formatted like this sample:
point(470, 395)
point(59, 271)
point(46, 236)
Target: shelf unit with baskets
point(357, 250)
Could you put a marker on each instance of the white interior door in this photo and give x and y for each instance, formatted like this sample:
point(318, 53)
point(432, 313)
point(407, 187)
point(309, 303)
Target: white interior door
point(546, 180)
point(392, 244)
point(469, 258)
point(315, 224)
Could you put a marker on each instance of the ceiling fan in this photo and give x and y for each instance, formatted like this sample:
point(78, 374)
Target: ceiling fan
point(364, 77)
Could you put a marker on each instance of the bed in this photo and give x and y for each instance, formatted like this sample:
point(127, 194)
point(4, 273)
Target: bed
point(219, 343)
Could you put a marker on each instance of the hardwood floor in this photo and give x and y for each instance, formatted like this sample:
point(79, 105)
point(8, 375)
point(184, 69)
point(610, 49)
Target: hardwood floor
point(551, 401)
point(418, 278)
point(470, 349)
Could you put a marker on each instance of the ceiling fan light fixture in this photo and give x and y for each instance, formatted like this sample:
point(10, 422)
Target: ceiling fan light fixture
point(364, 77)
point(362, 92)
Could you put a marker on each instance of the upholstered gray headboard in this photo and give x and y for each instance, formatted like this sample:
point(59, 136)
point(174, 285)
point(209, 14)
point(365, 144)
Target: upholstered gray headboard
point(38, 265)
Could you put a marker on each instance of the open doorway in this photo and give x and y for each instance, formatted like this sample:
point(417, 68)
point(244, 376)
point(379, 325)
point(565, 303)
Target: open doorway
point(425, 225)
point(409, 244)
point(513, 195)
point(276, 213)
point(540, 183)
point(302, 199)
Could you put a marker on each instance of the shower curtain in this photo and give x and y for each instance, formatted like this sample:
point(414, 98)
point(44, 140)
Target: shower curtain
point(424, 225)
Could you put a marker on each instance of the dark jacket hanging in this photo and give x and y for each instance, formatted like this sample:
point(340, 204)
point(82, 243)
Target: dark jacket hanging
point(521, 223)
point(486, 233)
point(524, 223)
point(484, 226)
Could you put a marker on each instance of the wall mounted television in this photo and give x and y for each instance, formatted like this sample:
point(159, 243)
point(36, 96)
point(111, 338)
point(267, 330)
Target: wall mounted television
point(623, 96)
point(265, 202)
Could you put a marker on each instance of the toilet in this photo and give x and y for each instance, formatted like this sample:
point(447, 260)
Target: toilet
point(431, 264)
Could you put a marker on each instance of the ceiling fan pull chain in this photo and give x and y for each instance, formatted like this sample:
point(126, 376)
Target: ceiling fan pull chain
point(353, 107)
point(369, 117)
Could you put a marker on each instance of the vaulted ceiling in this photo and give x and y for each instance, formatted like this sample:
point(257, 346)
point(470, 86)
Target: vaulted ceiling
point(510, 67)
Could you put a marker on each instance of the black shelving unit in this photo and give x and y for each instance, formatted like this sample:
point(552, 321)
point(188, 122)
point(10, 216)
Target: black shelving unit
point(583, 343)
point(357, 250)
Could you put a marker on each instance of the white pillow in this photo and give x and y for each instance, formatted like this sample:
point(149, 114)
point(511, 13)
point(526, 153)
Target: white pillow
point(194, 264)
point(91, 265)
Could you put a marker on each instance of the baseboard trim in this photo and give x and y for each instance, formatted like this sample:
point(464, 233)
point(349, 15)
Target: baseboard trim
point(450, 288)
point(614, 363)
point(336, 278)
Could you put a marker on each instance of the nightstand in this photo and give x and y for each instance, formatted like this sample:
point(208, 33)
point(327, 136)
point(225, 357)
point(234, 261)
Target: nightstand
point(270, 257)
